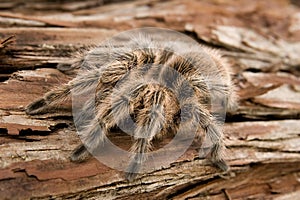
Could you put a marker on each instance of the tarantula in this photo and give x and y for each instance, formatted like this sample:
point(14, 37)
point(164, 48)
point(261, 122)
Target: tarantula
point(160, 86)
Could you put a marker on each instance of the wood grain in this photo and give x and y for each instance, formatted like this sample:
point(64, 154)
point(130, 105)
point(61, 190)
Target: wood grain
point(262, 42)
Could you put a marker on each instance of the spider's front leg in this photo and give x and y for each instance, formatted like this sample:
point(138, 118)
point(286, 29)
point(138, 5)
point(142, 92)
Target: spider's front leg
point(41, 105)
point(92, 138)
point(99, 114)
point(150, 122)
point(81, 84)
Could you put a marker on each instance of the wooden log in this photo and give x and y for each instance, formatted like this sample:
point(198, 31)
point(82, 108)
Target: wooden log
point(260, 40)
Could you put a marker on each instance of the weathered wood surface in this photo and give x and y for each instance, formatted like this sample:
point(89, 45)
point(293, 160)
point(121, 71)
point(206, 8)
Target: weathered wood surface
point(262, 41)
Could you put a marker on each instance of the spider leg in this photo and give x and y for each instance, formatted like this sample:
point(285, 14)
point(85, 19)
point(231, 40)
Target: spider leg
point(110, 111)
point(41, 105)
point(81, 84)
point(194, 96)
point(197, 113)
point(93, 131)
point(150, 121)
point(215, 135)
point(141, 147)
point(111, 108)
point(92, 137)
point(79, 154)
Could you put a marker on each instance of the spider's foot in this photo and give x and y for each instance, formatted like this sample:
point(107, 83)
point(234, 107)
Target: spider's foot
point(132, 170)
point(204, 152)
point(130, 176)
point(36, 107)
point(221, 164)
point(79, 154)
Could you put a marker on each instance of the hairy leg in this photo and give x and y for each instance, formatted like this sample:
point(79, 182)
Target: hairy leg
point(150, 121)
point(108, 111)
point(213, 137)
point(217, 148)
point(93, 135)
point(212, 141)
point(81, 84)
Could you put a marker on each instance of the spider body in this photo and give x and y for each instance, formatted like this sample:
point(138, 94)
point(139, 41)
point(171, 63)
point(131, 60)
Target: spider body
point(154, 87)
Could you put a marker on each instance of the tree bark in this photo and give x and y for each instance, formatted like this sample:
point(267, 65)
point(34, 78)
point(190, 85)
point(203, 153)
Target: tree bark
point(261, 41)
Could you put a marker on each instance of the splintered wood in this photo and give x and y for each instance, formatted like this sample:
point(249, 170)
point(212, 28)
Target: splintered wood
point(261, 40)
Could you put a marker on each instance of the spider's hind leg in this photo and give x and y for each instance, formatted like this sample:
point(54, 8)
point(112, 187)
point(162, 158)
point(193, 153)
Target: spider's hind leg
point(212, 142)
point(217, 148)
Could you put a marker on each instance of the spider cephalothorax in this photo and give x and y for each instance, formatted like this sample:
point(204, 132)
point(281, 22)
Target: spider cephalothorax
point(158, 86)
